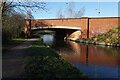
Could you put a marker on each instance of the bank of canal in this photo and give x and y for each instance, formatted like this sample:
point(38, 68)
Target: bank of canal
point(96, 61)
point(43, 62)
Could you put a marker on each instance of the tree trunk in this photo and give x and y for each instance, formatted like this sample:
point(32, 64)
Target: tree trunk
point(1, 38)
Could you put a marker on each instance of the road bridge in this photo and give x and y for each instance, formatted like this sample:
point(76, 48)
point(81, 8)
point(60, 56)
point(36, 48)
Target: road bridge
point(81, 27)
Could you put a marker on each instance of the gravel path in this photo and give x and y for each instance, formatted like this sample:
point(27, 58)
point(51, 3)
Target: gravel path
point(12, 64)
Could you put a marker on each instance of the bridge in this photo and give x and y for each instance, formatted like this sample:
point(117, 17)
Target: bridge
point(73, 27)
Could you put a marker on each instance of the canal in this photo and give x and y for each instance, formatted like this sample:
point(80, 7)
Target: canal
point(94, 61)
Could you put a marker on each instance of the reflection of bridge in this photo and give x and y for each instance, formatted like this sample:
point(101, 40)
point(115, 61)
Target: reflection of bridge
point(85, 27)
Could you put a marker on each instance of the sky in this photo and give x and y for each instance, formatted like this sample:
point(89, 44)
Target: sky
point(107, 9)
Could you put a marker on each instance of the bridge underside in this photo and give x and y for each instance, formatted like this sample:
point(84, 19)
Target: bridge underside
point(62, 32)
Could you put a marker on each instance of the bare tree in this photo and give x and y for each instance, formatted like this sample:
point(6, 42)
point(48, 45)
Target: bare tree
point(59, 14)
point(70, 10)
point(71, 13)
point(79, 13)
point(29, 15)
point(22, 6)
point(13, 14)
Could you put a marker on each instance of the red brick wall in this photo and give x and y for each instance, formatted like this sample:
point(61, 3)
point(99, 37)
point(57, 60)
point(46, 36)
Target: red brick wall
point(96, 25)
point(59, 22)
point(101, 25)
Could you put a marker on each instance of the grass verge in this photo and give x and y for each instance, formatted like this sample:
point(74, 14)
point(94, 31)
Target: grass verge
point(14, 42)
point(42, 62)
point(110, 36)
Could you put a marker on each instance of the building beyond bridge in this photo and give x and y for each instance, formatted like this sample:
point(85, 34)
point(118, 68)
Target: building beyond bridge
point(88, 26)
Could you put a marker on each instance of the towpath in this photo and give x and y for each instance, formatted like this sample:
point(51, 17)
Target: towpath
point(12, 60)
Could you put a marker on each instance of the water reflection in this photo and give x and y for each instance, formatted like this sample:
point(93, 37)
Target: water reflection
point(95, 61)
point(48, 39)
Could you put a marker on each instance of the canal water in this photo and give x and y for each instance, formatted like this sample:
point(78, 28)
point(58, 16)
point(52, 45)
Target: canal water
point(94, 61)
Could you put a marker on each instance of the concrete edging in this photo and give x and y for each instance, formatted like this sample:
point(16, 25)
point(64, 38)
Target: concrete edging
point(95, 43)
